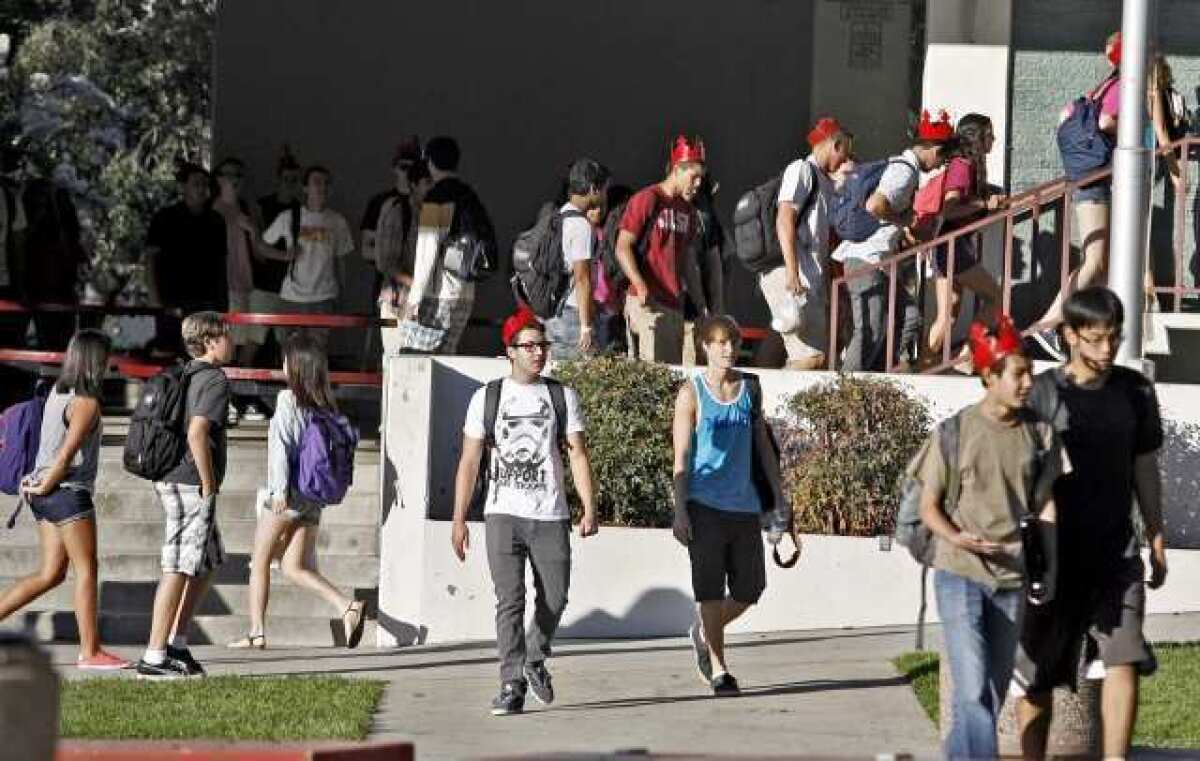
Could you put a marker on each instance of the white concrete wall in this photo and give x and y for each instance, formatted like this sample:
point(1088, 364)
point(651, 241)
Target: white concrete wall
point(630, 582)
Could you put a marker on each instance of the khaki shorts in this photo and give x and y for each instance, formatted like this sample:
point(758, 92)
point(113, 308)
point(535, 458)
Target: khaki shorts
point(1102, 620)
point(811, 336)
point(263, 302)
point(240, 302)
point(656, 332)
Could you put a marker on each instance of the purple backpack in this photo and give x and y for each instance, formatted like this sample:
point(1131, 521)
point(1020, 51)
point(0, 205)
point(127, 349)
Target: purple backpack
point(326, 464)
point(20, 432)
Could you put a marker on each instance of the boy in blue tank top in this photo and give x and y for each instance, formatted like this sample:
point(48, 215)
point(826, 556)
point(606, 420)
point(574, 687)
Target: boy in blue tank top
point(717, 508)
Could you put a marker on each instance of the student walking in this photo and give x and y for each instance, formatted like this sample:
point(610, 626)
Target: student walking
point(192, 548)
point(1109, 421)
point(718, 510)
point(59, 493)
point(802, 225)
point(655, 253)
point(289, 522)
point(997, 466)
point(522, 421)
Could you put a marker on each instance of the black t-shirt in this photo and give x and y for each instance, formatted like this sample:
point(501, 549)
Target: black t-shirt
point(268, 274)
point(191, 263)
point(207, 397)
point(1105, 429)
point(469, 212)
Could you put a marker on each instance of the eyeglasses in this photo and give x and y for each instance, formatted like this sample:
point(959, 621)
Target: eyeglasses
point(532, 346)
point(1111, 339)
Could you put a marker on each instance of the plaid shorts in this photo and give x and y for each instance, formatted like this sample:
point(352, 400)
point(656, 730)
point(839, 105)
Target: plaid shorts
point(192, 545)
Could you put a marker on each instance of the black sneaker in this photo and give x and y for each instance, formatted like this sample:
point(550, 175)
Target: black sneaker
point(184, 656)
point(510, 700)
point(1051, 344)
point(725, 686)
point(703, 659)
point(171, 668)
point(538, 679)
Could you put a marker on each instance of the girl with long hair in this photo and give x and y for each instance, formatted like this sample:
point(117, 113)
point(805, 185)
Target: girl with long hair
point(59, 494)
point(288, 522)
point(966, 198)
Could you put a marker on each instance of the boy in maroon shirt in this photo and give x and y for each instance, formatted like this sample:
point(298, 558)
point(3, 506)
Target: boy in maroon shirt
point(653, 249)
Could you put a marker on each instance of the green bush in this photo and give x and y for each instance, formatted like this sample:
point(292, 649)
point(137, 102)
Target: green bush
point(629, 407)
point(845, 447)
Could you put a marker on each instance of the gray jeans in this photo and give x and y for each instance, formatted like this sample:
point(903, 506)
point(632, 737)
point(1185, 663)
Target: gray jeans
point(869, 309)
point(547, 546)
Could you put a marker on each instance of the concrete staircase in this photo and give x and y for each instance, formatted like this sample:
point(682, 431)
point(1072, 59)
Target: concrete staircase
point(130, 532)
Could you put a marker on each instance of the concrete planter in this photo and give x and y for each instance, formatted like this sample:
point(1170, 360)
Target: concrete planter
point(636, 582)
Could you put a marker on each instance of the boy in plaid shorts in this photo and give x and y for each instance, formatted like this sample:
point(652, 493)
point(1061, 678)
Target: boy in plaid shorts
point(192, 547)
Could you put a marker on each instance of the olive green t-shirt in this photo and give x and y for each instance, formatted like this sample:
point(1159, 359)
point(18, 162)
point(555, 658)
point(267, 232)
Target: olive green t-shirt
point(995, 464)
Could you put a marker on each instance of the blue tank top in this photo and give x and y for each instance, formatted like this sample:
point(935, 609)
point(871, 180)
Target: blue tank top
point(721, 474)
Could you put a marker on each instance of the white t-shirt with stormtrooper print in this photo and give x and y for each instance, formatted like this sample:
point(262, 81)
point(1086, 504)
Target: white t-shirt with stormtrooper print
point(526, 479)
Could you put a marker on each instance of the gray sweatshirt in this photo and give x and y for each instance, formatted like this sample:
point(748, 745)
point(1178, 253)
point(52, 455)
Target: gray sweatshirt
point(283, 448)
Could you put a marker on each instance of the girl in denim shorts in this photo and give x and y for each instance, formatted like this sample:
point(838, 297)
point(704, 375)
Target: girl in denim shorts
point(288, 523)
point(59, 493)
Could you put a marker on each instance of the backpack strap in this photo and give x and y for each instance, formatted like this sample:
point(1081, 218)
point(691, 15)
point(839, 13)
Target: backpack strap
point(754, 388)
point(558, 400)
point(948, 440)
point(491, 407)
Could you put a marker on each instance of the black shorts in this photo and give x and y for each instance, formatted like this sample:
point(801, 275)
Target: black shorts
point(62, 506)
point(1106, 616)
point(726, 548)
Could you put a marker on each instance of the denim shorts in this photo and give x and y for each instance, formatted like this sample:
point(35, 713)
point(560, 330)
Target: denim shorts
point(62, 506)
point(1099, 191)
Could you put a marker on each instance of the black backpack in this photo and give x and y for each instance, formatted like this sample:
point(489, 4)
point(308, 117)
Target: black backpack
point(608, 247)
point(491, 407)
point(755, 240)
point(776, 516)
point(540, 279)
point(157, 439)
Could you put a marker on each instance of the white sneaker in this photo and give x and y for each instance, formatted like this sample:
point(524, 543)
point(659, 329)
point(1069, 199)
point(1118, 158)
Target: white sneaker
point(253, 414)
point(232, 416)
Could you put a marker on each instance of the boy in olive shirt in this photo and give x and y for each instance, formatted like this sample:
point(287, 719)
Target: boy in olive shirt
point(1007, 463)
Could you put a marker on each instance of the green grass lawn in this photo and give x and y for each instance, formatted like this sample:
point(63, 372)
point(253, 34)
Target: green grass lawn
point(1167, 713)
point(220, 708)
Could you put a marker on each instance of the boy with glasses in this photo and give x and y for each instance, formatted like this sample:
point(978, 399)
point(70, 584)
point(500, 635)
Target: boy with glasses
point(525, 506)
point(1109, 420)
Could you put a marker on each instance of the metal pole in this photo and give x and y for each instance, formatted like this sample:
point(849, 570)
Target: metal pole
point(1131, 179)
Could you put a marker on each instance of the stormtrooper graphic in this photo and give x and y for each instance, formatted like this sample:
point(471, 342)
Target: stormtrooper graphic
point(523, 434)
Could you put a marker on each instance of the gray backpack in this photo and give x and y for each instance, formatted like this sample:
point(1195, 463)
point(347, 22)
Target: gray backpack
point(911, 531)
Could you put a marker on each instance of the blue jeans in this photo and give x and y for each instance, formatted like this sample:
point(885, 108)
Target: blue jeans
point(979, 626)
point(563, 333)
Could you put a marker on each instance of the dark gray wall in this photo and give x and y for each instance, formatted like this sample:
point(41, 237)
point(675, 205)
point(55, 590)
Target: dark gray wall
point(525, 85)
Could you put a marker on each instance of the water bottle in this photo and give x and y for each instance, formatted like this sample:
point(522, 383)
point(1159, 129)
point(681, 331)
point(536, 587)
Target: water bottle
point(790, 310)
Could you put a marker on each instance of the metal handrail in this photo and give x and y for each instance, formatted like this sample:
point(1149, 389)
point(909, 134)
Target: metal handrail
point(1028, 204)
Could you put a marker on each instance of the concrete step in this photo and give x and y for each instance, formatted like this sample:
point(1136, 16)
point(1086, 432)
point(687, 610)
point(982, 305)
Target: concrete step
point(143, 535)
point(60, 626)
point(343, 570)
point(361, 508)
point(137, 598)
point(242, 473)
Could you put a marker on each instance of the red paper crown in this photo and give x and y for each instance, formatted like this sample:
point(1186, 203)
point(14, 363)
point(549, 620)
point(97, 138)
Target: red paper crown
point(825, 128)
point(685, 150)
point(935, 132)
point(1114, 52)
point(522, 319)
point(991, 346)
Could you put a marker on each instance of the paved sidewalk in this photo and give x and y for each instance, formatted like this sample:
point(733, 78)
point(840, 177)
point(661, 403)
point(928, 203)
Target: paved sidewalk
point(816, 692)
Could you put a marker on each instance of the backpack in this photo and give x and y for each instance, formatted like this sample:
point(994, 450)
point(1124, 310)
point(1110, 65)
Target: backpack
point(325, 467)
point(20, 434)
point(468, 250)
point(540, 278)
point(754, 238)
point(613, 273)
point(848, 215)
point(1179, 119)
point(1083, 146)
point(911, 531)
point(491, 407)
point(776, 517)
point(157, 438)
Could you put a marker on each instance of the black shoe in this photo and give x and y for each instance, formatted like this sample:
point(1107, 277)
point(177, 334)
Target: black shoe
point(538, 679)
point(1051, 344)
point(184, 656)
point(510, 700)
point(703, 659)
point(725, 686)
point(171, 668)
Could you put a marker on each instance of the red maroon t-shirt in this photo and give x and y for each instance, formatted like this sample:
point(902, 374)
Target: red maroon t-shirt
point(668, 236)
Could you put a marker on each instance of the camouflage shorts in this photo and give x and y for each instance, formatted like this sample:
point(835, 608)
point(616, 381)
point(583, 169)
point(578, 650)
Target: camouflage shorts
point(192, 544)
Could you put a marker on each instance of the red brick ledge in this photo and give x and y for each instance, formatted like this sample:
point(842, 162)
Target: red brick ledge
point(103, 750)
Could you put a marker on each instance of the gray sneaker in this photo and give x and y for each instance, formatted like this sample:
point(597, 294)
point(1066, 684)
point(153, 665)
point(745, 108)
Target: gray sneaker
point(703, 659)
point(538, 680)
point(511, 699)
